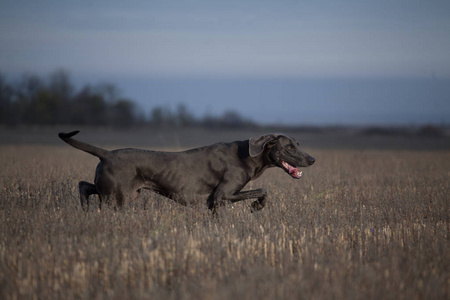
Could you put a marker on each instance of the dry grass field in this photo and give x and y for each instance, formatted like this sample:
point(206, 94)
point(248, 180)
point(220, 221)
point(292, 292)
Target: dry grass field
point(360, 224)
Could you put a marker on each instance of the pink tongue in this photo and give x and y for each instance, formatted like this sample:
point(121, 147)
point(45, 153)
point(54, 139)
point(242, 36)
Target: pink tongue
point(292, 170)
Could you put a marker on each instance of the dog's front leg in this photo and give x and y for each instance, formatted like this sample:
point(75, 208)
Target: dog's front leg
point(260, 194)
point(214, 201)
point(219, 195)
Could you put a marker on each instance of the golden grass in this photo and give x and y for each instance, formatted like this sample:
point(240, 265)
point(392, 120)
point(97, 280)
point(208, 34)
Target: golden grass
point(358, 225)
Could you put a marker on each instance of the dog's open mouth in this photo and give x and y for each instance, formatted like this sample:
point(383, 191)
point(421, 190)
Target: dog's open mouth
point(293, 171)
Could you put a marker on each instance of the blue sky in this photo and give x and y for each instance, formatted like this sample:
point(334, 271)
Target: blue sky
point(138, 44)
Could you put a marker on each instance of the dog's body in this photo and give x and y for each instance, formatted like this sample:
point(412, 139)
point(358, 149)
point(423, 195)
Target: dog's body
point(217, 171)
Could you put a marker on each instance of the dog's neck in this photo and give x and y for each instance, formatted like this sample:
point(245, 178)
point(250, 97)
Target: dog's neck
point(260, 163)
point(257, 164)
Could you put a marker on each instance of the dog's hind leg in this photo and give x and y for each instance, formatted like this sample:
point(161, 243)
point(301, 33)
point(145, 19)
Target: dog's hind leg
point(125, 196)
point(86, 189)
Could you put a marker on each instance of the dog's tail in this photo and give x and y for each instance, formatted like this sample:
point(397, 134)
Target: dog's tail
point(99, 152)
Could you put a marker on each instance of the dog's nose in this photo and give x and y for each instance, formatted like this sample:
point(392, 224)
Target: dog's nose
point(311, 160)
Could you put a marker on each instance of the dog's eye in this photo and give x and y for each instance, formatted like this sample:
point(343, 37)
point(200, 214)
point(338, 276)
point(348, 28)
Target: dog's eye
point(290, 147)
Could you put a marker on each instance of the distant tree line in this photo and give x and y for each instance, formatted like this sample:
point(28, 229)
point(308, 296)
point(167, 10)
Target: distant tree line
point(34, 100)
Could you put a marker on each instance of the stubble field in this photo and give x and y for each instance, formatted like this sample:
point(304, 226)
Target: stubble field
point(360, 224)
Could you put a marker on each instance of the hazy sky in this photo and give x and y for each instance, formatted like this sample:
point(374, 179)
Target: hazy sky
point(128, 41)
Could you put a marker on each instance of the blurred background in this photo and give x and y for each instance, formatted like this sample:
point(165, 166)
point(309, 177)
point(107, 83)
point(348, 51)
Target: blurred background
point(383, 66)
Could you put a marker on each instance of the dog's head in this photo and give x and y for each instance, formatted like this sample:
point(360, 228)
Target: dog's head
point(283, 151)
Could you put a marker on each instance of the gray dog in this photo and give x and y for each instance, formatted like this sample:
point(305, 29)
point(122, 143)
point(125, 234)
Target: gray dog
point(218, 171)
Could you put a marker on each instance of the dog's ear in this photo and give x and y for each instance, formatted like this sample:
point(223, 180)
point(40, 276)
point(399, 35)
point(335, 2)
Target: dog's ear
point(256, 145)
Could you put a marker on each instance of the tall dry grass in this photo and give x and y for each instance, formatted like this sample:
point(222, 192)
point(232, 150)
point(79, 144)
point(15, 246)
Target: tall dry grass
point(358, 225)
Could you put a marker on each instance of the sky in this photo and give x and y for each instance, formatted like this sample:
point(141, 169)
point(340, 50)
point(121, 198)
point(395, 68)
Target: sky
point(293, 62)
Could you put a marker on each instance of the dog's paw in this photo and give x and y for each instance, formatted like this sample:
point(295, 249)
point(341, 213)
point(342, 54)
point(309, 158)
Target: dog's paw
point(256, 205)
